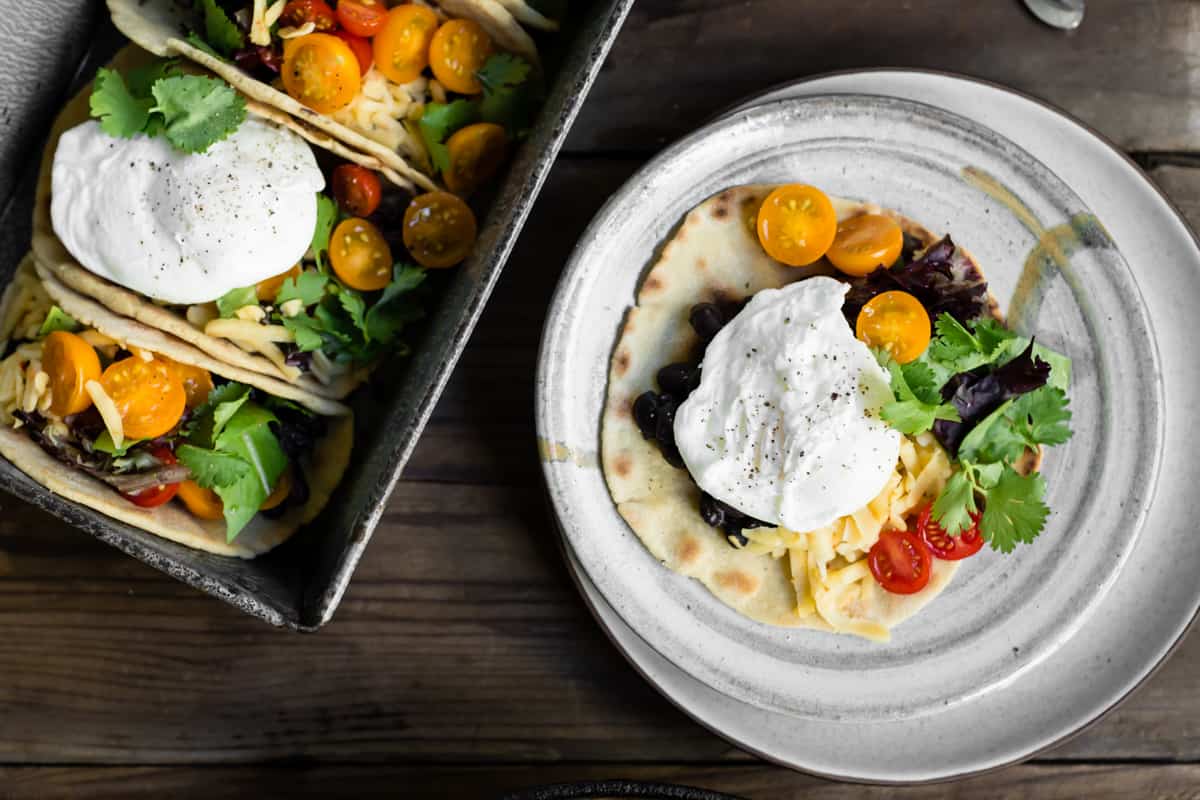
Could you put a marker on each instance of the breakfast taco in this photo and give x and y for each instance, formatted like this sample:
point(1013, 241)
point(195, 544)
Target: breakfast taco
point(427, 88)
point(785, 423)
point(171, 199)
point(122, 418)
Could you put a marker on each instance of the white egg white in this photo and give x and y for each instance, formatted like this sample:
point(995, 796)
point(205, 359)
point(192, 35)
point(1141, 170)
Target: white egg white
point(785, 424)
point(182, 228)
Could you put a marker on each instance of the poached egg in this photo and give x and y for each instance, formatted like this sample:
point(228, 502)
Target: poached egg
point(185, 228)
point(785, 424)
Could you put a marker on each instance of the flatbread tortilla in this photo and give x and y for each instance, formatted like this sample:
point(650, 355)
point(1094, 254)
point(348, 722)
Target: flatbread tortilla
point(714, 256)
point(53, 255)
point(160, 25)
point(323, 468)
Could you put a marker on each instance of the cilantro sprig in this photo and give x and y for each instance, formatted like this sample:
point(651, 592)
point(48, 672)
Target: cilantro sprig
point(232, 450)
point(986, 484)
point(193, 112)
point(510, 97)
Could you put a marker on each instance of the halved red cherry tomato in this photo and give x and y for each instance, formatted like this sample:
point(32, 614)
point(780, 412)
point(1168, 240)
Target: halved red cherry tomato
point(156, 495)
point(360, 255)
point(439, 229)
point(796, 224)
point(897, 322)
point(203, 503)
point(71, 363)
point(458, 50)
point(361, 49)
point(900, 561)
point(318, 12)
point(402, 44)
point(361, 17)
point(356, 189)
point(942, 544)
point(321, 71)
point(865, 243)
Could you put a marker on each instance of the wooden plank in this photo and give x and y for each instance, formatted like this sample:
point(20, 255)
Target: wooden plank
point(1129, 70)
point(461, 639)
point(1058, 782)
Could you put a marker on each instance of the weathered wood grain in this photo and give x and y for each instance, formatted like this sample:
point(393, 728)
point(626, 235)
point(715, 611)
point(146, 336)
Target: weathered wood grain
point(1130, 70)
point(461, 640)
point(1049, 782)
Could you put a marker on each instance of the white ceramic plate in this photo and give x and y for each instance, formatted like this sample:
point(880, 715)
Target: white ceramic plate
point(1150, 602)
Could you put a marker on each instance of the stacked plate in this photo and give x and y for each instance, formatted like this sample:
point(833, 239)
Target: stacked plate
point(990, 672)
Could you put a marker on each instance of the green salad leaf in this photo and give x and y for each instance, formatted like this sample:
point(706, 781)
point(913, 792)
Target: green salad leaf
point(510, 96)
point(307, 287)
point(918, 404)
point(438, 121)
point(220, 30)
point(327, 212)
point(58, 320)
point(231, 301)
point(234, 453)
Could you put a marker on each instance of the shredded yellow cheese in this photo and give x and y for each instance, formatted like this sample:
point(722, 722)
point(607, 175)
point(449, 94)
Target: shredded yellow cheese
point(380, 111)
point(108, 411)
point(828, 565)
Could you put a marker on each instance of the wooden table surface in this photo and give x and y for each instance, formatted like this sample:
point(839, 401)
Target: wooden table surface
point(462, 662)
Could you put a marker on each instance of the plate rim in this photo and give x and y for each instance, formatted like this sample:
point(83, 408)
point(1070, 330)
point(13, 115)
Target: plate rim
point(578, 576)
point(571, 284)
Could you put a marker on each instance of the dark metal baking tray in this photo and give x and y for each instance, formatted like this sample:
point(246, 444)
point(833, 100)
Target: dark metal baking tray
point(299, 584)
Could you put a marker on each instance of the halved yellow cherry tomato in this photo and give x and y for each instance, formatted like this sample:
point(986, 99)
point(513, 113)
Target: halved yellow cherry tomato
point(360, 255)
point(203, 503)
point(402, 45)
point(71, 363)
point(283, 487)
point(458, 50)
point(796, 224)
point(149, 395)
point(439, 229)
point(197, 383)
point(321, 71)
point(897, 322)
point(268, 289)
point(476, 153)
point(865, 243)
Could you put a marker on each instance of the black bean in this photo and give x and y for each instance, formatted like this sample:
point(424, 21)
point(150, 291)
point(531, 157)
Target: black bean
point(664, 425)
point(707, 320)
point(645, 413)
point(679, 380)
point(712, 511)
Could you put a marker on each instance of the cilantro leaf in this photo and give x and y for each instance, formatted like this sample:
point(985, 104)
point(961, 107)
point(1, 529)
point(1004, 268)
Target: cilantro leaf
point(141, 79)
point(1041, 417)
point(57, 320)
point(121, 114)
point(105, 444)
point(503, 71)
point(510, 97)
point(195, 41)
point(211, 469)
point(956, 503)
point(219, 30)
point(326, 215)
point(231, 301)
point(395, 308)
point(245, 461)
point(308, 287)
point(1014, 511)
point(354, 305)
point(909, 413)
point(306, 330)
point(438, 121)
point(209, 419)
point(197, 111)
point(1060, 366)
